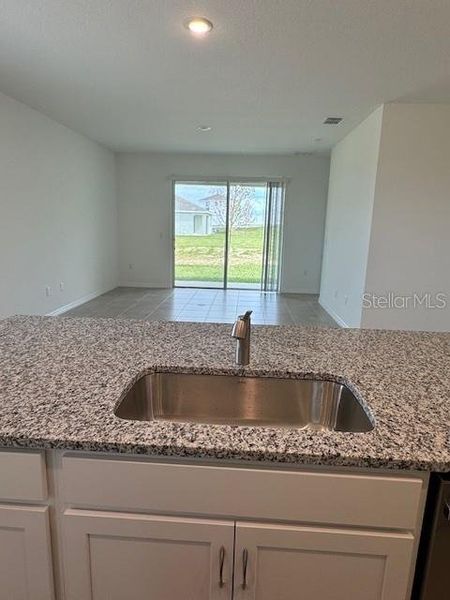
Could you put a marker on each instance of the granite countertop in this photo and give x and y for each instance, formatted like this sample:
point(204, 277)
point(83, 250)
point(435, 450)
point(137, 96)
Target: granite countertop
point(60, 379)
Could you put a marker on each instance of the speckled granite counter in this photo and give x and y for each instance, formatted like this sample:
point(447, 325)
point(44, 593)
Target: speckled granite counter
point(60, 379)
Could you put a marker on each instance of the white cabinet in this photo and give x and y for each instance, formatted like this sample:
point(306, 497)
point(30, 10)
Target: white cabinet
point(113, 556)
point(129, 528)
point(287, 563)
point(25, 555)
point(345, 535)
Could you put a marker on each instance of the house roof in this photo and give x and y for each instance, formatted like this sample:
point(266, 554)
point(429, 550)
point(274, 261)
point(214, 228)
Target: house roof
point(183, 205)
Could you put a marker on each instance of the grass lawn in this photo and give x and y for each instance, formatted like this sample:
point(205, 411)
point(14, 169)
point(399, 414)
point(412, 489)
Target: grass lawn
point(200, 257)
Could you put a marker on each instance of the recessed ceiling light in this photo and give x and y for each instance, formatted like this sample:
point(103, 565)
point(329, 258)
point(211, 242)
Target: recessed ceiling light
point(204, 128)
point(199, 25)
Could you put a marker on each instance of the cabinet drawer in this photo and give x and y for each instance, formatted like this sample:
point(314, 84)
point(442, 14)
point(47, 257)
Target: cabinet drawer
point(22, 475)
point(247, 493)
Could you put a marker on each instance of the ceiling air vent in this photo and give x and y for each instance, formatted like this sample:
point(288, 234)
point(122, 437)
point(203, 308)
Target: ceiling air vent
point(332, 120)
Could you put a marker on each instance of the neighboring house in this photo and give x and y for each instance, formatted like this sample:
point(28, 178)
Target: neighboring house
point(216, 204)
point(244, 211)
point(191, 218)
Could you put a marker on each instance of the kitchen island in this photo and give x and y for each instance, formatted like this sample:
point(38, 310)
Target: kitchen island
point(250, 512)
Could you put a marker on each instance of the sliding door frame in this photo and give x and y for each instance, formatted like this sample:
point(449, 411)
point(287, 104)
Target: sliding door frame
point(266, 247)
point(227, 239)
point(228, 182)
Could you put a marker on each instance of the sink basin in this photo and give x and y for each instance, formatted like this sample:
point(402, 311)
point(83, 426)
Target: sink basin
point(251, 401)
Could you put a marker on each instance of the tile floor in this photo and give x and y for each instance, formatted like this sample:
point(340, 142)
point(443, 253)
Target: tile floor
point(206, 305)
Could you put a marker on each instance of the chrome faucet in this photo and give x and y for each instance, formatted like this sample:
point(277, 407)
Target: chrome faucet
point(241, 331)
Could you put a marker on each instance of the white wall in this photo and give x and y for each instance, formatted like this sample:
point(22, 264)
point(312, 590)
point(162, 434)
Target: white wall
point(353, 172)
point(410, 239)
point(144, 192)
point(58, 213)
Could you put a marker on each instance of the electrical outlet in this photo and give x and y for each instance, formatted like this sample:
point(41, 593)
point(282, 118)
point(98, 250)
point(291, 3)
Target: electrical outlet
point(48, 291)
point(336, 293)
point(61, 286)
point(130, 266)
point(345, 299)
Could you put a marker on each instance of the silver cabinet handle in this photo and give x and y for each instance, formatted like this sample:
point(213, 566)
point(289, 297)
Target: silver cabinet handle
point(221, 563)
point(447, 510)
point(244, 568)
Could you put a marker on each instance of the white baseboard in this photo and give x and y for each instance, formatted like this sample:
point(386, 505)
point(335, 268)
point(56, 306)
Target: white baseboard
point(75, 303)
point(146, 284)
point(143, 284)
point(333, 314)
point(303, 291)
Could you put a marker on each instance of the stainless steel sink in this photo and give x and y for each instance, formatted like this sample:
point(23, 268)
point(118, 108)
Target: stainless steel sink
point(233, 400)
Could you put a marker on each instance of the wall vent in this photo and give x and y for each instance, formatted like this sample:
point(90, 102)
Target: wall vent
point(332, 120)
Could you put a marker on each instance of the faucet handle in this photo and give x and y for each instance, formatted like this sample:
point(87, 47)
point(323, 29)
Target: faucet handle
point(241, 331)
point(246, 316)
point(241, 327)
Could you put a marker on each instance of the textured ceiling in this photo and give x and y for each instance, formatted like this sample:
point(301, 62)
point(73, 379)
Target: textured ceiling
point(128, 74)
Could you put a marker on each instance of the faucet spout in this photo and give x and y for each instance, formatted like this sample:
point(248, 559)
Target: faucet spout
point(241, 332)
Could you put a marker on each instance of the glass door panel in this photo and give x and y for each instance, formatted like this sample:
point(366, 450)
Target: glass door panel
point(246, 235)
point(200, 240)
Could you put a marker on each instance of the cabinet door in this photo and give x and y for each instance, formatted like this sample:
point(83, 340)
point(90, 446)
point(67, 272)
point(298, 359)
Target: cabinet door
point(113, 556)
point(288, 563)
point(25, 554)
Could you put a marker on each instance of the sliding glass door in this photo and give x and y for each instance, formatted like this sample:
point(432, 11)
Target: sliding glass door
point(228, 234)
point(245, 235)
point(200, 226)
